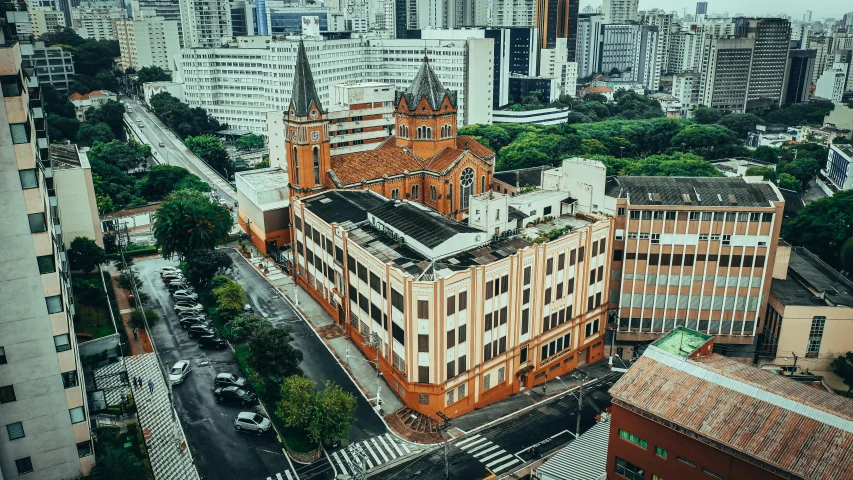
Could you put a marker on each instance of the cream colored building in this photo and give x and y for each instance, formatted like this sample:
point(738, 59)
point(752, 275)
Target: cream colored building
point(75, 194)
point(809, 317)
point(96, 23)
point(45, 20)
point(148, 42)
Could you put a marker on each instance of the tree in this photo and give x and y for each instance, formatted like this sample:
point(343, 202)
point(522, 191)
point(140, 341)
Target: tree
point(803, 169)
point(182, 119)
point(137, 321)
point(630, 105)
point(95, 56)
point(249, 142)
point(110, 113)
point(707, 116)
point(64, 36)
point(594, 97)
point(790, 182)
point(165, 179)
point(85, 255)
point(62, 128)
point(847, 255)
point(265, 163)
point(272, 355)
point(56, 103)
point(114, 464)
point(105, 204)
point(577, 117)
point(245, 325)
point(496, 135)
point(823, 226)
point(296, 406)
point(88, 292)
point(810, 113)
point(129, 282)
point(768, 154)
point(675, 165)
point(202, 265)
point(334, 412)
point(766, 172)
point(124, 155)
point(740, 123)
point(152, 74)
point(230, 299)
point(843, 367)
point(190, 222)
point(708, 141)
point(209, 148)
point(90, 133)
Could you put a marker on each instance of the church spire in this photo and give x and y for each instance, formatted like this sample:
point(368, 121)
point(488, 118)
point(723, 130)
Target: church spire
point(304, 90)
point(427, 85)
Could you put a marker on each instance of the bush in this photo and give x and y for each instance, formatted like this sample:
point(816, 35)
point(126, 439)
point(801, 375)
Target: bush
point(137, 321)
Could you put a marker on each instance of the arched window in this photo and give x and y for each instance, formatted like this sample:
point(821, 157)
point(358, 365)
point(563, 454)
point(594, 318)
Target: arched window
point(316, 166)
point(482, 184)
point(429, 133)
point(296, 165)
point(466, 181)
point(400, 131)
point(414, 192)
point(420, 132)
point(450, 196)
point(432, 192)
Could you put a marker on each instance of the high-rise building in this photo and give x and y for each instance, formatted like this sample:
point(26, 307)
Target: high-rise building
point(726, 64)
point(170, 10)
point(619, 11)
point(205, 22)
point(830, 85)
point(96, 23)
point(589, 43)
point(401, 22)
point(632, 50)
point(514, 13)
point(474, 13)
point(666, 27)
point(556, 19)
point(148, 42)
point(799, 81)
point(42, 391)
point(553, 64)
point(243, 20)
point(767, 76)
point(53, 65)
point(46, 20)
point(701, 8)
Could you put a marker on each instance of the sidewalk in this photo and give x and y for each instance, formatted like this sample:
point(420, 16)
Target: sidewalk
point(143, 343)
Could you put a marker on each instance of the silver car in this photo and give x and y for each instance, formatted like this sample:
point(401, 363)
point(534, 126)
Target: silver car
point(252, 422)
point(185, 295)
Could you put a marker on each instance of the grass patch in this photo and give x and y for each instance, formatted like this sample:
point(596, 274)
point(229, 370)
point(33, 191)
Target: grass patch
point(95, 320)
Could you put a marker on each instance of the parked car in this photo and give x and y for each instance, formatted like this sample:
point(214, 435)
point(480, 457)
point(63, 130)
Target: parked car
point(162, 144)
point(196, 308)
point(226, 379)
point(176, 285)
point(179, 372)
point(214, 341)
point(166, 270)
point(189, 313)
point(171, 277)
point(188, 322)
point(200, 329)
point(185, 302)
point(252, 422)
point(234, 395)
point(248, 308)
point(185, 295)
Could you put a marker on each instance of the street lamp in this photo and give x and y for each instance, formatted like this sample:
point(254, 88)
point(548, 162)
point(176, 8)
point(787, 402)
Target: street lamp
point(621, 152)
point(682, 147)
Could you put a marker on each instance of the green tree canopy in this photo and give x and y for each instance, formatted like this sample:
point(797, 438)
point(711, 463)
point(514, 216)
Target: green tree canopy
point(296, 406)
point(110, 113)
point(533, 149)
point(91, 133)
point(245, 325)
point(675, 165)
point(190, 222)
point(88, 292)
point(63, 36)
point(123, 155)
point(165, 179)
point(803, 169)
point(790, 182)
point(497, 136)
point(85, 255)
point(62, 128)
point(810, 113)
point(594, 97)
point(707, 116)
point(630, 105)
point(249, 142)
point(115, 464)
point(95, 56)
point(708, 141)
point(182, 119)
point(334, 412)
point(137, 320)
point(823, 226)
point(152, 74)
point(740, 123)
point(203, 265)
point(847, 255)
point(230, 299)
point(766, 172)
point(272, 355)
point(577, 117)
point(209, 148)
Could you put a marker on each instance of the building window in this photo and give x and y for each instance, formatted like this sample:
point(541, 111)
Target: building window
point(450, 397)
point(84, 449)
point(15, 430)
point(316, 152)
point(20, 133)
point(633, 439)
point(62, 342)
point(460, 391)
point(24, 465)
point(661, 452)
point(69, 379)
point(628, 470)
point(713, 474)
point(77, 415)
point(815, 336)
point(7, 394)
point(487, 382)
point(522, 356)
point(501, 374)
point(432, 193)
point(296, 165)
point(29, 178)
point(684, 460)
point(466, 181)
point(3, 360)
point(483, 189)
point(592, 327)
point(54, 304)
point(414, 192)
point(620, 211)
point(46, 264)
point(38, 223)
point(395, 194)
point(727, 239)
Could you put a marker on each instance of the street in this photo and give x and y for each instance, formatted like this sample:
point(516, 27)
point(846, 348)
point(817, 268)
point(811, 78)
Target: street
point(507, 445)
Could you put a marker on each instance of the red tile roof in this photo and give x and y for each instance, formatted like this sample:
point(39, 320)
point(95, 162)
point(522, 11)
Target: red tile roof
point(788, 425)
point(78, 96)
point(597, 89)
point(388, 159)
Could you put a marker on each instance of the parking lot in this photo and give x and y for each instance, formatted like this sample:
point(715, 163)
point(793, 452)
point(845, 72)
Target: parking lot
point(219, 450)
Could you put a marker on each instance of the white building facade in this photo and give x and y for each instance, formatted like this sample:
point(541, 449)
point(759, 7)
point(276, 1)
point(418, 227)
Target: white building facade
point(205, 22)
point(96, 23)
point(148, 42)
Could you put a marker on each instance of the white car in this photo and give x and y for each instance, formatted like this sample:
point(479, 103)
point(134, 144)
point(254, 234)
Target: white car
point(184, 295)
point(172, 270)
point(252, 422)
point(183, 308)
point(179, 372)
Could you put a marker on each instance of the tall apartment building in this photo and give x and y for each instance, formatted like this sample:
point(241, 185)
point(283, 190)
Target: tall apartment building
point(53, 65)
point(205, 22)
point(557, 19)
point(475, 13)
point(148, 41)
point(770, 58)
point(800, 72)
point(553, 64)
point(620, 11)
point(685, 87)
point(694, 252)
point(514, 13)
point(168, 9)
point(631, 49)
point(830, 85)
point(838, 166)
point(589, 43)
point(96, 23)
point(683, 412)
point(726, 67)
point(45, 20)
point(42, 393)
point(667, 25)
point(243, 20)
point(263, 82)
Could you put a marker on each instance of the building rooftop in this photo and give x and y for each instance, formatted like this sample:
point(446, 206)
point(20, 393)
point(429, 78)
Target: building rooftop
point(808, 279)
point(844, 148)
point(692, 191)
point(344, 207)
point(682, 341)
point(426, 226)
point(772, 421)
point(427, 85)
point(523, 177)
point(67, 156)
point(269, 186)
point(583, 459)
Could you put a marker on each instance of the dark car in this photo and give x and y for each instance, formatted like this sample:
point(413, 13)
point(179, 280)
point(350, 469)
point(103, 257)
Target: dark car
point(214, 341)
point(187, 322)
point(234, 395)
point(199, 329)
point(178, 285)
point(229, 380)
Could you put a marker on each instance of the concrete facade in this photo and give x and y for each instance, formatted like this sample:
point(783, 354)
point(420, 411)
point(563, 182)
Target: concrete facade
point(148, 42)
point(205, 23)
point(96, 23)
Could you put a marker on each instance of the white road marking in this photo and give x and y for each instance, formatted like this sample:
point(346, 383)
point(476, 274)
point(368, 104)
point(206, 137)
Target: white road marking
point(392, 443)
point(493, 455)
point(379, 449)
point(463, 442)
point(478, 454)
point(505, 465)
point(498, 461)
point(471, 445)
point(338, 459)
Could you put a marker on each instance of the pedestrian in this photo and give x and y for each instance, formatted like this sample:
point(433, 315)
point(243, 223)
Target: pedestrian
point(150, 386)
point(140, 381)
point(135, 335)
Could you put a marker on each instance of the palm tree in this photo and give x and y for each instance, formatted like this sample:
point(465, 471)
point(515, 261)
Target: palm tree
point(189, 222)
point(114, 464)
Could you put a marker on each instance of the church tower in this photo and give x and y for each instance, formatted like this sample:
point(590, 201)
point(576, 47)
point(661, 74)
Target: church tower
point(306, 131)
point(426, 115)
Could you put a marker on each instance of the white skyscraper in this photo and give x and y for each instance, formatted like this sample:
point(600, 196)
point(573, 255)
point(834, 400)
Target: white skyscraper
point(589, 43)
point(205, 22)
point(619, 11)
point(514, 13)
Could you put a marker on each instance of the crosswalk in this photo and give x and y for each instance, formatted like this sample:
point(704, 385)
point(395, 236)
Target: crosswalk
point(287, 476)
point(492, 456)
point(373, 452)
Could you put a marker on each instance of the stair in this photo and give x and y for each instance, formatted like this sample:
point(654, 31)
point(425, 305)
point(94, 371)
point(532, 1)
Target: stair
point(416, 421)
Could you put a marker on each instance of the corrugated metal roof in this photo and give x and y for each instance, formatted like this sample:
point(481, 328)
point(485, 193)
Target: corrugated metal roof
point(583, 459)
point(798, 429)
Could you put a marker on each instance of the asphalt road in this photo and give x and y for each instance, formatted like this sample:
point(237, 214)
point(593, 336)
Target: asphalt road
point(520, 439)
point(220, 452)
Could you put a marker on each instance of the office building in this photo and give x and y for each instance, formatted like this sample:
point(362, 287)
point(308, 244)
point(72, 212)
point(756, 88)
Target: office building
point(514, 13)
point(799, 81)
point(632, 50)
point(148, 41)
point(666, 23)
point(45, 20)
point(725, 78)
point(205, 22)
point(830, 85)
point(521, 86)
point(701, 8)
point(553, 64)
point(283, 18)
point(589, 43)
point(475, 13)
point(401, 18)
point(619, 11)
point(681, 411)
point(53, 65)
point(96, 23)
point(42, 392)
point(264, 80)
point(838, 170)
point(243, 21)
point(170, 10)
point(769, 61)
point(557, 19)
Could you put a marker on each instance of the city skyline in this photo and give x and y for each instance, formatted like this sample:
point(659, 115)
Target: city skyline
point(734, 7)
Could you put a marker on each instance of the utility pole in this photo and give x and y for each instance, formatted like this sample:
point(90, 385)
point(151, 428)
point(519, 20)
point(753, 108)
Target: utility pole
point(446, 421)
point(794, 371)
point(580, 408)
